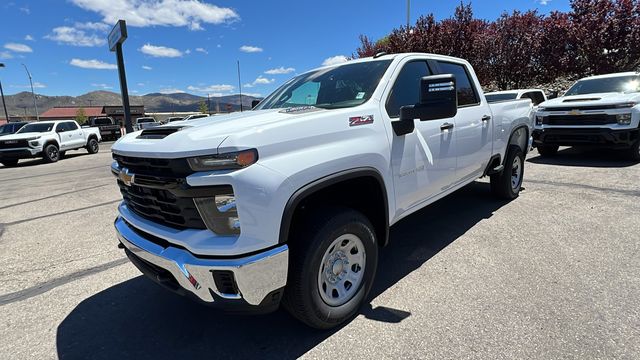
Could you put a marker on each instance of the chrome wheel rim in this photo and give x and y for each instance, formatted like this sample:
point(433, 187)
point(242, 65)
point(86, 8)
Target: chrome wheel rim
point(53, 153)
point(516, 173)
point(341, 270)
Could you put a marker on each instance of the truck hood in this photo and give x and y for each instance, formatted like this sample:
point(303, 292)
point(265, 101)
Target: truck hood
point(203, 136)
point(21, 136)
point(592, 100)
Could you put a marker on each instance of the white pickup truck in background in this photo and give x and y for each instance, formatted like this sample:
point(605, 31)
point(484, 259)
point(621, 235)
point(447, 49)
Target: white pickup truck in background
point(537, 96)
point(602, 111)
point(292, 200)
point(48, 140)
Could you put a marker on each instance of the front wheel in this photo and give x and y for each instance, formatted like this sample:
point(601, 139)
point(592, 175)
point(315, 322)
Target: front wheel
point(332, 266)
point(507, 184)
point(93, 146)
point(51, 153)
point(634, 152)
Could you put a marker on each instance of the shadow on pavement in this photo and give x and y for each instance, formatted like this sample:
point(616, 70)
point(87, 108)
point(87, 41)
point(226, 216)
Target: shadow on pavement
point(585, 157)
point(139, 319)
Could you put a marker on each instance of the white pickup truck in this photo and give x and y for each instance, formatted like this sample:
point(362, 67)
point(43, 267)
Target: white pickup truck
point(293, 200)
point(599, 111)
point(48, 140)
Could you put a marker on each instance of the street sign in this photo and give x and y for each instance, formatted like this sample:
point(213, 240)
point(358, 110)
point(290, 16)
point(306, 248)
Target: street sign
point(117, 35)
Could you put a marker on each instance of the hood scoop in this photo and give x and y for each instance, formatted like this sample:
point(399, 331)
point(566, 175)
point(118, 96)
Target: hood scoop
point(581, 99)
point(159, 132)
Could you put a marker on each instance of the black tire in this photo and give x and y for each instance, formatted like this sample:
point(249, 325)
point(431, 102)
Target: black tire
point(547, 150)
point(634, 152)
point(308, 247)
point(51, 153)
point(92, 146)
point(9, 163)
point(503, 184)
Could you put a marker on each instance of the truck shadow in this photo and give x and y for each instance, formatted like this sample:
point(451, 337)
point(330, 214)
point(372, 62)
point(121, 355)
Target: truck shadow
point(584, 157)
point(138, 319)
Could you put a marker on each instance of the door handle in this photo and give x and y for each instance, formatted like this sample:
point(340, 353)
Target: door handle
point(486, 118)
point(446, 126)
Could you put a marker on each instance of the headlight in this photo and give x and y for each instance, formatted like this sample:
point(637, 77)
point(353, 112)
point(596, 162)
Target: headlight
point(34, 142)
point(624, 119)
point(227, 161)
point(541, 108)
point(626, 105)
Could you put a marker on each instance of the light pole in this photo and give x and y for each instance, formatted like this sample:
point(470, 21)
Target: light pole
point(408, 13)
point(240, 85)
point(4, 104)
point(35, 103)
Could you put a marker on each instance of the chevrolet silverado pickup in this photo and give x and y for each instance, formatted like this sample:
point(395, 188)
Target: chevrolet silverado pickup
point(292, 201)
point(601, 111)
point(48, 140)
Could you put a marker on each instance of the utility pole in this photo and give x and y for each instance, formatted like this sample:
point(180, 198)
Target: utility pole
point(408, 13)
point(4, 103)
point(35, 103)
point(240, 85)
point(208, 104)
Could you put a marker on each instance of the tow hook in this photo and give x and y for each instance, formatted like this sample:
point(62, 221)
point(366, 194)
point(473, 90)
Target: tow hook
point(120, 246)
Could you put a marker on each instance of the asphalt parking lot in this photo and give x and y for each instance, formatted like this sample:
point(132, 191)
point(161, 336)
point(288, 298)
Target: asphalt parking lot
point(553, 274)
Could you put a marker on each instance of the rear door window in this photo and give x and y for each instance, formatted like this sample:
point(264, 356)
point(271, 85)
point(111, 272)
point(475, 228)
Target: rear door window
point(467, 94)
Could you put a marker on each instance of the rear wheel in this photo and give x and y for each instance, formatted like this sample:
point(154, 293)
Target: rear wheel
point(9, 163)
point(507, 184)
point(51, 153)
point(332, 267)
point(93, 146)
point(547, 150)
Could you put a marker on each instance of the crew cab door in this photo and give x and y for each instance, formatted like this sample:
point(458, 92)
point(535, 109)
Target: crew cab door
point(65, 137)
point(77, 135)
point(473, 123)
point(424, 161)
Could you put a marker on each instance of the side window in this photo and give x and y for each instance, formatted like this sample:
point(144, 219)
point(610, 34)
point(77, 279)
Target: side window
point(406, 89)
point(467, 94)
point(71, 126)
point(61, 127)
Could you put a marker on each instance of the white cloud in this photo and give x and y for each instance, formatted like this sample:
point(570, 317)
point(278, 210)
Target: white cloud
point(28, 38)
point(218, 46)
point(75, 37)
point(142, 13)
point(202, 50)
point(260, 80)
point(96, 26)
point(25, 10)
point(338, 59)
point(145, 67)
point(544, 2)
point(211, 88)
point(103, 86)
point(188, 51)
point(250, 49)
point(140, 84)
point(170, 91)
point(280, 70)
point(22, 48)
point(160, 51)
point(92, 64)
point(36, 85)
point(248, 85)
point(5, 55)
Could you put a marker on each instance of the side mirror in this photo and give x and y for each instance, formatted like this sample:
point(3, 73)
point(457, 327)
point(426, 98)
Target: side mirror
point(254, 103)
point(61, 130)
point(438, 100)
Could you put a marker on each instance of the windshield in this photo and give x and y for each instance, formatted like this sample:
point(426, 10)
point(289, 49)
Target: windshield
point(624, 84)
point(36, 127)
point(501, 97)
point(102, 121)
point(338, 87)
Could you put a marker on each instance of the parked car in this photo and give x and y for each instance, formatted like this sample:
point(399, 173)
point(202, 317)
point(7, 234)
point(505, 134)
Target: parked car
point(537, 96)
point(145, 122)
point(109, 129)
point(11, 128)
point(195, 116)
point(48, 140)
point(293, 200)
point(599, 111)
point(174, 118)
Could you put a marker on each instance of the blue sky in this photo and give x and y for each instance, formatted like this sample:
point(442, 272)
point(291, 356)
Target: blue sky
point(192, 46)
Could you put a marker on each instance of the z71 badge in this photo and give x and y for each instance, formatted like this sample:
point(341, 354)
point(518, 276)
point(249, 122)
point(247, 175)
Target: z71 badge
point(360, 120)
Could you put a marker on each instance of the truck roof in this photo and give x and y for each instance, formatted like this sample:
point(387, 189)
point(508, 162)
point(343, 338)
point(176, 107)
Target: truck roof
point(392, 57)
point(518, 91)
point(604, 76)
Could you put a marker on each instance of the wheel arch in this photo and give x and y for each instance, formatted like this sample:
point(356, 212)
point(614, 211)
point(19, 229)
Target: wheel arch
point(519, 136)
point(370, 183)
point(92, 136)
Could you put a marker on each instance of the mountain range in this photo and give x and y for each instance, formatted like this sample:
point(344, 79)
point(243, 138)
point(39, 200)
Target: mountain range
point(21, 104)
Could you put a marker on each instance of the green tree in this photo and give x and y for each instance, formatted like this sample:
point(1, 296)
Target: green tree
point(203, 108)
point(81, 116)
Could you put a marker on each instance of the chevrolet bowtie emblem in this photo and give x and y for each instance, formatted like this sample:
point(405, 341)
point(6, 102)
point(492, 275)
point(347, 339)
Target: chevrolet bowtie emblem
point(574, 112)
point(126, 177)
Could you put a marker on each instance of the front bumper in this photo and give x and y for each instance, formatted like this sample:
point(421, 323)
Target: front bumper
point(586, 136)
point(257, 279)
point(20, 153)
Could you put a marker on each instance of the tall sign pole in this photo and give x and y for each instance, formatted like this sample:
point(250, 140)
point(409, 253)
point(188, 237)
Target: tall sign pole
point(240, 85)
point(117, 36)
